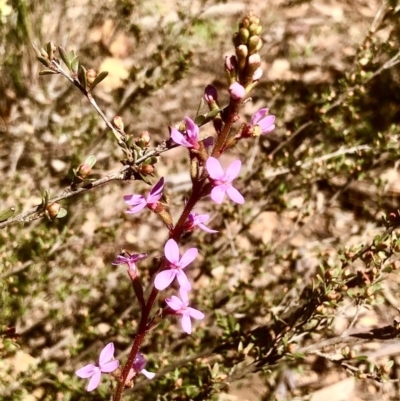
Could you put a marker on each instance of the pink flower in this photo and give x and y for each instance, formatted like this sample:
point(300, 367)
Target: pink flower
point(237, 91)
point(181, 307)
point(107, 364)
point(198, 220)
point(222, 181)
point(130, 260)
point(190, 140)
point(176, 266)
point(261, 122)
point(138, 202)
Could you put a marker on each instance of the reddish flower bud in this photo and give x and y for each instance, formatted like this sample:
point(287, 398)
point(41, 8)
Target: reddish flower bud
point(147, 169)
point(84, 170)
point(52, 210)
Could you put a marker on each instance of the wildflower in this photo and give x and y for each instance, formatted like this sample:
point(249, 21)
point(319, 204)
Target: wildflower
point(138, 202)
point(130, 260)
point(190, 140)
point(261, 122)
point(198, 220)
point(237, 91)
point(107, 364)
point(222, 181)
point(176, 266)
point(181, 307)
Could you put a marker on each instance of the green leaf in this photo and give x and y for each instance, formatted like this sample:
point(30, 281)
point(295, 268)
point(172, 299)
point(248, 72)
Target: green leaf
point(74, 65)
point(6, 214)
point(47, 72)
point(62, 213)
point(82, 76)
point(64, 57)
point(44, 61)
point(99, 78)
point(91, 161)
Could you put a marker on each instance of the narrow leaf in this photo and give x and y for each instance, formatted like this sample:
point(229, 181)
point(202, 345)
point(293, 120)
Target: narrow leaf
point(74, 65)
point(47, 72)
point(44, 61)
point(99, 78)
point(64, 57)
point(82, 76)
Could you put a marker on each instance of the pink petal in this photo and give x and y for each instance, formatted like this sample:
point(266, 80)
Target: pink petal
point(195, 314)
point(106, 354)
point(235, 195)
point(256, 117)
point(192, 129)
point(183, 280)
point(266, 123)
point(164, 279)
point(188, 257)
point(110, 366)
point(218, 194)
point(178, 138)
point(158, 187)
point(233, 170)
point(174, 303)
point(94, 381)
point(184, 296)
point(148, 374)
point(186, 324)
point(214, 168)
point(137, 208)
point(206, 229)
point(86, 371)
point(171, 251)
point(133, 200)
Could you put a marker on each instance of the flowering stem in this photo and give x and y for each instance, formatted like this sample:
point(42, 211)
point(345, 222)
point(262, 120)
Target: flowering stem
point(175, 234)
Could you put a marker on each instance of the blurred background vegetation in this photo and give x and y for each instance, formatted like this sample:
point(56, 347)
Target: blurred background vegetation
point(315, 190)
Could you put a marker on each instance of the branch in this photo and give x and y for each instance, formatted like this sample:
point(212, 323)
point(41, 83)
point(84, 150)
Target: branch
point(124, 174)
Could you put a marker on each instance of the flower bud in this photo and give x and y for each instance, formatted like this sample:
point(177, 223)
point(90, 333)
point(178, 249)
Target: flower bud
point(254, 44)
point(118, 123)
point(230, 63)
point(210, 94)
point(146, 169)
point(91, 75)
point(245, 22)
point(145, 137)
point(241, 54)
point(255, 29)
point(52, 210)
point(244, 35)
point(84, 170)
point(257, 74)
point(237, 91)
